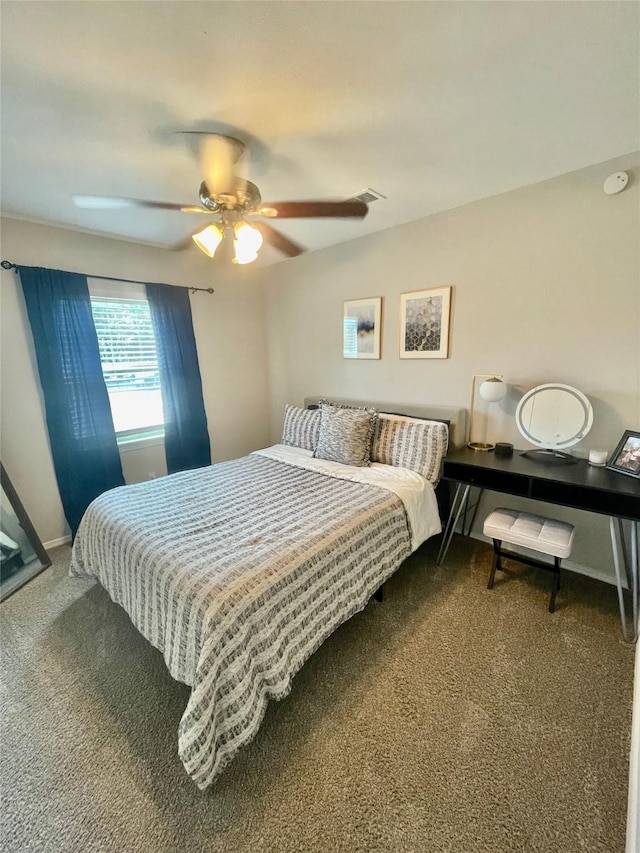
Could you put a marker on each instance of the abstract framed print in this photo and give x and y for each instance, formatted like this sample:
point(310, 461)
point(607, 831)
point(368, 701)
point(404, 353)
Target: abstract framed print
point(424, 323)
point(361, 320)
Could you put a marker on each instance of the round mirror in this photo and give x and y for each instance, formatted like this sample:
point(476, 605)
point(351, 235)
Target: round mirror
point(554, 417)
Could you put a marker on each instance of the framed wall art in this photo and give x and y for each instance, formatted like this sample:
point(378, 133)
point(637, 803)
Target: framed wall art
point(424, 323)
point(361, 319)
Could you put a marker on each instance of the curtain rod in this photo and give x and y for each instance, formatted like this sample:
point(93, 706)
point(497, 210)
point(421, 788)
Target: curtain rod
point(7, 265)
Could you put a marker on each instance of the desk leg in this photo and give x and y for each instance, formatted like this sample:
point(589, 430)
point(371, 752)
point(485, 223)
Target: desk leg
point(459, 501)
point(618, 548)
point(625, 555)
point(475, 507)
point(634, 574)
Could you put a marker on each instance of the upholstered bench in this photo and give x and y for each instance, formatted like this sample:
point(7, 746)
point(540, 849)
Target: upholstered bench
point(545, 535)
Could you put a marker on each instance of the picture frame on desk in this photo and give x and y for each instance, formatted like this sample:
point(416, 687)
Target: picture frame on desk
point(626, 457)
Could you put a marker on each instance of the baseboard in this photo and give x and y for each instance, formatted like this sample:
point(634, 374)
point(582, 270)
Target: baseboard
point(53, 543)
point(589, 571)
point(633, 803)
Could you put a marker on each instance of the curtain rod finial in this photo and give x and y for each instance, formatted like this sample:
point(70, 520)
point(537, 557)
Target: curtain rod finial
point(7, 265)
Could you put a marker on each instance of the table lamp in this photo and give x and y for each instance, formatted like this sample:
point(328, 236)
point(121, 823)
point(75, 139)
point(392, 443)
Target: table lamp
point(493, 389)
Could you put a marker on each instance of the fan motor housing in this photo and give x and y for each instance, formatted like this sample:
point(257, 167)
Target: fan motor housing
point(245, 196)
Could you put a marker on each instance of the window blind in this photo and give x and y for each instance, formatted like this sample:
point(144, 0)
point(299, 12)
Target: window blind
point(127, 345)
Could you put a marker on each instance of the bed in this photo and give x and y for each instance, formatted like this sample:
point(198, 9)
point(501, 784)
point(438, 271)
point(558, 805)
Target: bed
point(237, 572)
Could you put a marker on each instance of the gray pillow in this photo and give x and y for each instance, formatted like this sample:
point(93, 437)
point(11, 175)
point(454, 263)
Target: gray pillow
point(301, 427)
point(408, 443)
point(346, 434)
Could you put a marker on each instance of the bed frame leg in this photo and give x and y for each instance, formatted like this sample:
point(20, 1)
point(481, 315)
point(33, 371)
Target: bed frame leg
point(379, 593)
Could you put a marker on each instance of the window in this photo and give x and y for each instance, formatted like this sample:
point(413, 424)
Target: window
point(129, 364)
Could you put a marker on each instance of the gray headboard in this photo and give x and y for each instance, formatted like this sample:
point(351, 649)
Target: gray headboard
point(456, 418)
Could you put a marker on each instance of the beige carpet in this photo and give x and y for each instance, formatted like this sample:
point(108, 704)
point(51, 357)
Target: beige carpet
point(449, 718)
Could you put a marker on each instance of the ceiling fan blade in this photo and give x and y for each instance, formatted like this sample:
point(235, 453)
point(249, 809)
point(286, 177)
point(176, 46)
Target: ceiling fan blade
point(352, 207)
point(277, 239)
point(102, 202)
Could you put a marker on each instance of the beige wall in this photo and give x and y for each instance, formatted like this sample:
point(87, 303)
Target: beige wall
point(546, 287)
point(230, 337)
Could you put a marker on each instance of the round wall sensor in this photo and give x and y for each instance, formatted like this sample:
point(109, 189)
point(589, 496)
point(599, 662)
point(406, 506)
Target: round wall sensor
point(616, 183)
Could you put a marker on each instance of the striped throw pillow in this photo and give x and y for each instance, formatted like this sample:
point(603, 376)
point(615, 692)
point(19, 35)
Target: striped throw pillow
point(301, 427)
point(346, 434)
point(408, 443)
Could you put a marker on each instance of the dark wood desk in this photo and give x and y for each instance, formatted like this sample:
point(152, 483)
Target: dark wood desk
point(580, 486)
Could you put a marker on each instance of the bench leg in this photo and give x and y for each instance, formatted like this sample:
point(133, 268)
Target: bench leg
point(496, 562)
point(556, 585)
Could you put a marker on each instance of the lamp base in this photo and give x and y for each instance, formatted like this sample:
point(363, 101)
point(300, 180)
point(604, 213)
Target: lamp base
point(480, 445)
point(550, 457)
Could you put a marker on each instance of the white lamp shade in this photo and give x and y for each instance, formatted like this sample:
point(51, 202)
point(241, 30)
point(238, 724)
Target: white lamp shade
point(493, 390)
point(247, 242)
point(208, 239)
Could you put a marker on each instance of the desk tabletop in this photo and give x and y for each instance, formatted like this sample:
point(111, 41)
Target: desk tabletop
point(581, 477)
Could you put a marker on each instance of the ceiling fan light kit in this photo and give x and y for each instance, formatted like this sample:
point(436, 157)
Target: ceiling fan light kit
point(234, 198)
point(246, 240)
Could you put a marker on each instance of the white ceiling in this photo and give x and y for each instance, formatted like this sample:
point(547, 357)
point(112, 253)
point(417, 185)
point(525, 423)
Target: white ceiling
point(433, 104)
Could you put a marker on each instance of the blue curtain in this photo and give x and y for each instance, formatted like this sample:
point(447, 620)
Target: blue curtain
point(81, 434)
point(186, 437)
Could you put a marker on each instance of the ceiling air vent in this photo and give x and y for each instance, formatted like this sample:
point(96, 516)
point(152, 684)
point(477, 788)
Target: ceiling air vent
point(368, 196)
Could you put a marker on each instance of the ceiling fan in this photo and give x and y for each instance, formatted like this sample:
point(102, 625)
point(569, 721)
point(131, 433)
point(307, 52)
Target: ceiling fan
point(236, 202)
